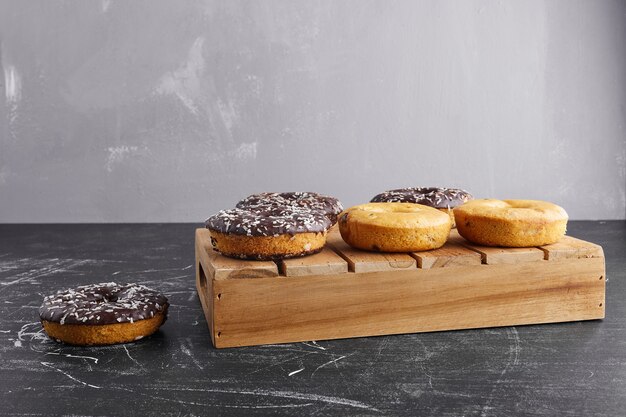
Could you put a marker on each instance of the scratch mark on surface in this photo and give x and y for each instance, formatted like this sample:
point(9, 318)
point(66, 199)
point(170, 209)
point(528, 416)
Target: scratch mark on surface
point(33, 274)
point(286, 394)
point(382, 346)
point(516, 348)
point(49, 365)
point(5, 331)
point(512, 360)
point(219, 405)
point(67, 355)
point(295, 372)
point(289, 359)
point(26, 331)
point(314, 345)
point(130, 357)
point(286, 345)
point(187, 267)
point(430, 380)
point(329, 362)
point(188, 352)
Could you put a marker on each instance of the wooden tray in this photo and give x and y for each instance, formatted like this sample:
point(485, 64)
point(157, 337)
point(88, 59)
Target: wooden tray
point(343, 292)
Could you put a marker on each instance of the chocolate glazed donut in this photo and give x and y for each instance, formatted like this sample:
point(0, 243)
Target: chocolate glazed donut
point(102, 314)
point(440, 198)
point(271, 232)
point(307, 200)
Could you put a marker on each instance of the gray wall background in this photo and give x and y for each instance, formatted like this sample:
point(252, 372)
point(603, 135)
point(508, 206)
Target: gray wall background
point(137, 111)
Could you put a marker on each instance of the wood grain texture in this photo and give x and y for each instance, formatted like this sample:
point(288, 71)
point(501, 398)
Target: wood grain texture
point(452, 254)
point(509, 287)
point(570, 247)
point(378, 303)
point(495, 255)
point(327, 262)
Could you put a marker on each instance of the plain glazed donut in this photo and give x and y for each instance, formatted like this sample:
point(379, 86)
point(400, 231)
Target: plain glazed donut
point(307, 200)
point(269, 234)
point(103, 314)
point(511, 223)
point(444, 199)
point(394, 227)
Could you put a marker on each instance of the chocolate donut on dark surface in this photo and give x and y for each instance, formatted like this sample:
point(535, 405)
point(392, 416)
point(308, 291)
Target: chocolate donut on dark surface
point(105, 303)
point(308, 200)
point(441, 198)
point(103, 314)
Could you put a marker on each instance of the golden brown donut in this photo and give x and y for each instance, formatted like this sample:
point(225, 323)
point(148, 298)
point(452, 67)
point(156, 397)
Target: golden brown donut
point(260, 248)
point(104, 334)
point(103, 314)
point(511, 223)
point(394, 227)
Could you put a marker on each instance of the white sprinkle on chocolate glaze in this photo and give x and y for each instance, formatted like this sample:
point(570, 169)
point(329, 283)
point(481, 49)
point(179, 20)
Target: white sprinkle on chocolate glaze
point(104, 303)
point(307, 200)
point(441, 198)
point(272, 221)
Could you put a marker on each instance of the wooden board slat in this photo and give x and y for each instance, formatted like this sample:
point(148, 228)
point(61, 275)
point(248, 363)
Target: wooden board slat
point(495, 255)
point(362, 261)
point(221, 267)
point(263, 311)
point(452, 254)
point(570, 247)
point(327, 262)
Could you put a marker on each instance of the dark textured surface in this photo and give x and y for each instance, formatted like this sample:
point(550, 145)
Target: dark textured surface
point(558, 369)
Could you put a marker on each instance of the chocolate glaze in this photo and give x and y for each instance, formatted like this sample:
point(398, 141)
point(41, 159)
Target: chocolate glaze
point(269, 221)
point(105, 303)
point(309, 200)
point(441, 198)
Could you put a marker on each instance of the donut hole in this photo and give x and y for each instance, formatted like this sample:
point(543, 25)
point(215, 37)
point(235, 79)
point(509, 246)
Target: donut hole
point(106, 295)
